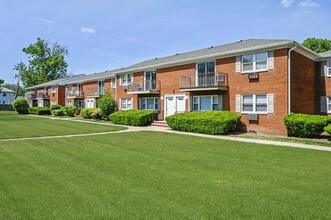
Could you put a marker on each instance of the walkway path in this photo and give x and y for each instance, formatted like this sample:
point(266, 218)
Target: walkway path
point(168, 130)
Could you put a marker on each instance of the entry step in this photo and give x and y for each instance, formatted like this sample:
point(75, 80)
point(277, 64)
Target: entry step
point(160, 124)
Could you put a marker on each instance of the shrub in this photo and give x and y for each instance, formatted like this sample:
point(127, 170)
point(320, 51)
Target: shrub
point(132, 117)
point(87, 113)
point(57, 112)
point(209, 122)
point(302, 125)
point(40, 111)
point(69, 111)
point(107, 106)
point(56, 107)
point(21, 106)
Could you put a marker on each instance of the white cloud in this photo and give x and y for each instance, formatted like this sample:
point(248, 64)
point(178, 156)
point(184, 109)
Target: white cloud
point(286, 3)
point(308, 4)
point(45, 20)
point(87, 30)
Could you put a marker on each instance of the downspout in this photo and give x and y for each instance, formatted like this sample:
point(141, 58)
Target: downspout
point(289, 80)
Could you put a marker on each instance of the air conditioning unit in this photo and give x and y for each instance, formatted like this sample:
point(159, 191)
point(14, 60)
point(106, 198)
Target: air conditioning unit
point(253, 117)
point(253, 75)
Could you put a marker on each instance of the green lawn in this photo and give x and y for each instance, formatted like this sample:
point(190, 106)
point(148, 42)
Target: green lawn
point(153, 175)
point(13, 125)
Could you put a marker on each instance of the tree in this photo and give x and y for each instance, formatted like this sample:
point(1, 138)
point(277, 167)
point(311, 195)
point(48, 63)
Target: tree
point(45, 63)
point(1, 82)
point(107, 105)
point(318, 45)
point(15, 87)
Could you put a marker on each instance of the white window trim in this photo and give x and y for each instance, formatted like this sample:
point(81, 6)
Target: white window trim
point(113, 82)
point(254, 63)
point(254, 105)
point(126, 79)
point(328, 102)
point(211, 106)
point(145, 98)
point(125, 107)
point(328, 68)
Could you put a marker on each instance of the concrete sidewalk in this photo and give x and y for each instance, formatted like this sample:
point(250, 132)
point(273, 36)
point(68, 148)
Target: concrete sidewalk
point(169, 130)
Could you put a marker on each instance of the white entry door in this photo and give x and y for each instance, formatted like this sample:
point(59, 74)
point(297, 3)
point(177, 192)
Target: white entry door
point(89, 103)
point(174, 104)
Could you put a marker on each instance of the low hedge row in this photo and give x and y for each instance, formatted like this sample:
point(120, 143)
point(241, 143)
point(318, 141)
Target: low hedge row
point(132, 117)
point(209, 122)
point(303, 125)
point(39, 111)
point(90, 113)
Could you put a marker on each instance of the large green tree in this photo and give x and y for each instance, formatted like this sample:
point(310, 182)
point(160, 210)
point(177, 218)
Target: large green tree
point(45, 63)
point(1, 83)
point(318, 45)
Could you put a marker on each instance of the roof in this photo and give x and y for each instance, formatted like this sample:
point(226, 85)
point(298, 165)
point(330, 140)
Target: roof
point(57, 82)
point(326, 54)
point(94, 77)
point(210, 52)
point(3, 89)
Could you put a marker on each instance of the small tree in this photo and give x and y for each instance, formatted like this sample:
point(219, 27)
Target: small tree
point(317, 45)
point(107, 105)
point(21, 106)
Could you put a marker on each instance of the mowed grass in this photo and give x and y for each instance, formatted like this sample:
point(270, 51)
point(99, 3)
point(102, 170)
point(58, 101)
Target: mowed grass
point(13, 125)
point(154, 175)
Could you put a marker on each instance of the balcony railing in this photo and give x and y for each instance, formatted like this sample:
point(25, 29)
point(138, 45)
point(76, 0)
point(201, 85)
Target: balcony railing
point(96, 92)
point(75, 93)
point(204, 81)
point(42, 96)
point(144, 87)
point(30, 96)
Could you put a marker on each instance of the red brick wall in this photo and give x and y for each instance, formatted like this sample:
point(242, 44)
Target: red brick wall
point(303, 76)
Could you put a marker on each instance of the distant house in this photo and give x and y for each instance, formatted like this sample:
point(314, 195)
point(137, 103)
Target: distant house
point(6, 96)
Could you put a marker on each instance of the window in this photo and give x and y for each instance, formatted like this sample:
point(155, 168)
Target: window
point(126, 79)
point(46, 91)
point(206, 103)
point(206, 73)
point(328, 73)
point(329, 103)
point(4, 94)
point(113, 82)
point(149, 103)
point(53, 102)
point(53, 89)
point(3, 102)
point(255, 62)
point(126, 104)
point(69, 104)
point(254, 103)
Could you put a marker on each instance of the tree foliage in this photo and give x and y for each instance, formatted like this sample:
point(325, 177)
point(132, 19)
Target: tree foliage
point(45, 63)
point(1, 83)
point(318, 45)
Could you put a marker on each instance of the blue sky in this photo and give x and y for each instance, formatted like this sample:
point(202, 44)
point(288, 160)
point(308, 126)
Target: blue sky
point(107, 34)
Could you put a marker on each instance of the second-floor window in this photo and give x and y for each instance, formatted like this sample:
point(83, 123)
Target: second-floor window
point(113, 82)
point(328, 70)
point(126, 79)
point(255, 62)
point(4, 94)
point(53, 89)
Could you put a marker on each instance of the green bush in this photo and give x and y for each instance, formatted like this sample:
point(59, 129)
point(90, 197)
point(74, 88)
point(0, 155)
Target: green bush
point(57, 112)
point(21, 106)
point(87, 113)
point(69, 111)
point(209, 122)
point(40, 111)
point(132, 117)
point(302, 125)
point(56, 107)
point(107, 106)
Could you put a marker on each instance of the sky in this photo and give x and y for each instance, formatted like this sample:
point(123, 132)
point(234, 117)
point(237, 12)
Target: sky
point(108, 34)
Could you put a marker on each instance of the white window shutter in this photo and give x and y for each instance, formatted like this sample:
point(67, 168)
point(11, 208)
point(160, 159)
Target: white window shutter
point(238, 64)
point(220, 101)
point(323, 104)
point(271, 103)
point(324, 68)
point(119, 104)
point(131, 77)
point(238, 103)
point(271, 60)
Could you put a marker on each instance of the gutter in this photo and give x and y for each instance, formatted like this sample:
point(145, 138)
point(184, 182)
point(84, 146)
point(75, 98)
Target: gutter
point(289, 79)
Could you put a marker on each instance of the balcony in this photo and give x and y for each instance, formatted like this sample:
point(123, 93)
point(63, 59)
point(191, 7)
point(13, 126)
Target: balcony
point(75, 94)
point(96, 92)
point(42, 96)
point(30, 96)
point(204, 82)
point(144, 87)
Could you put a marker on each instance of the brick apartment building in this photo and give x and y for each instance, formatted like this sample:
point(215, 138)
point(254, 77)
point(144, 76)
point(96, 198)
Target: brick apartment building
point(263, 80)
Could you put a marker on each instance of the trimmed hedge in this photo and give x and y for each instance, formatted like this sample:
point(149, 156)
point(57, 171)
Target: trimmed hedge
point(39, 111)
point(107, 106)
point(302, 125)
point(69, 111)
point(87, 113)
point(57, 112)
point(208, 122)
point(56, 107)
point(21, 106)
point(132, 117)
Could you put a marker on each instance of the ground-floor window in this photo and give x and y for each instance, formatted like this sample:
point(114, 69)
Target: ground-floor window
point(46, 103)
point(149, 103)
point(53, 102)
point(206, 103)
point(69, 103)
point(329, 104)
point(89, 103)
point(254, 103)
point(126, 104)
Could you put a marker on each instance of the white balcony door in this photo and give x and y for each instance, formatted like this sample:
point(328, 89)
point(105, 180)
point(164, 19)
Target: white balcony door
point(150, 80)
point(174, 104)
point(101, 86)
